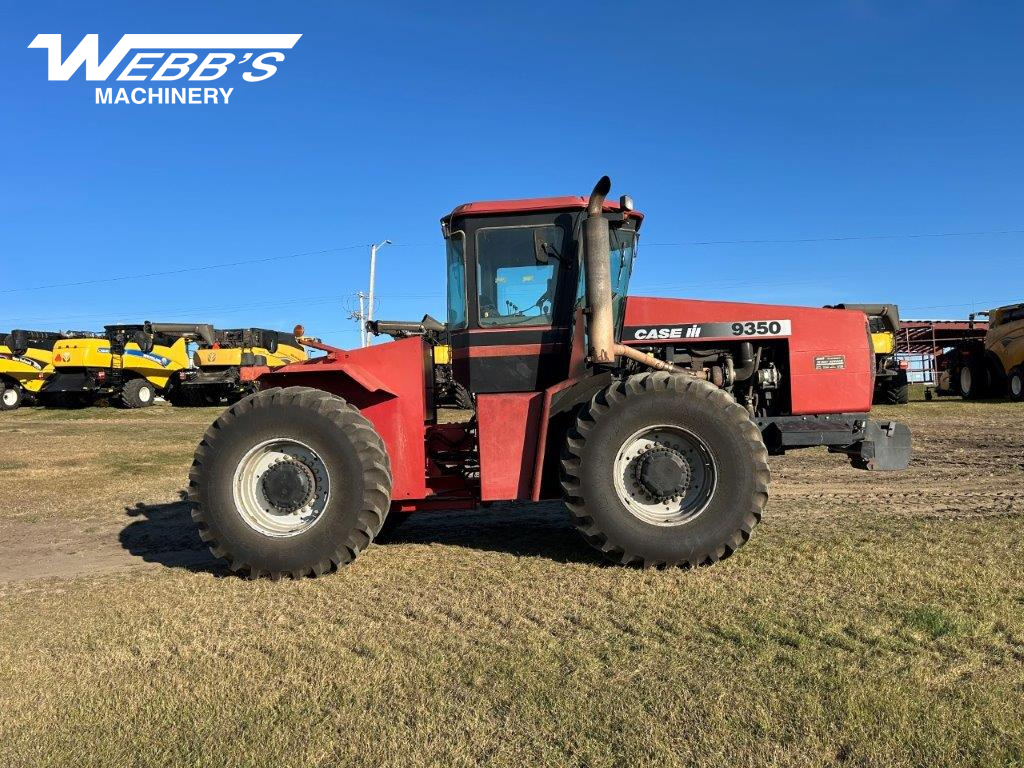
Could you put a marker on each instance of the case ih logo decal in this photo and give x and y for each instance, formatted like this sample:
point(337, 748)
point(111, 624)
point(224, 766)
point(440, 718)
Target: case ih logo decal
point(168, 58)
point(737, 329)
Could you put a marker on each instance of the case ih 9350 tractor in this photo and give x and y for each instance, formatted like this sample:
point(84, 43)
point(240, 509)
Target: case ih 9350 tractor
point(652, 418)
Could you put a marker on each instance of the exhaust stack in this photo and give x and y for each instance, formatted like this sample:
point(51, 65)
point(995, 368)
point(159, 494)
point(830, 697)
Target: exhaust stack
point(602, 347)
point(600, 327)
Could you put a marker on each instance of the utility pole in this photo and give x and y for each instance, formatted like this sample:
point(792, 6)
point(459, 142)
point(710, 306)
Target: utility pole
point(361, 317)
point(373, 276)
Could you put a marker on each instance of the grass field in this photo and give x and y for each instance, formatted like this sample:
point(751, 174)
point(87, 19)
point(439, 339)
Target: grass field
point(873, 620)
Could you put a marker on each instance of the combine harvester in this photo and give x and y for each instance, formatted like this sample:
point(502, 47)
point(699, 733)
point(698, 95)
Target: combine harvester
point(989, 367)
point(892, 386)
point(652, 418)
point(26, 360)
point(127, 364)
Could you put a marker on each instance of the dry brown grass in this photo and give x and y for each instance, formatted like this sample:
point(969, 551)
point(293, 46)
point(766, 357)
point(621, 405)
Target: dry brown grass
point(873, 620)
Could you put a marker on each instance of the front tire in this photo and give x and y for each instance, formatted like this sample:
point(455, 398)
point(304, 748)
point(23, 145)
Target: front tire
point(11, 397)
point(137, 393)
point(291, 482)
point(663, 470)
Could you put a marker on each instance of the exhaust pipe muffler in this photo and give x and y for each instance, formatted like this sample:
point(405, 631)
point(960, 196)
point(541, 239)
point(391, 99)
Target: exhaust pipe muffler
point(600, 326)
point(602, 348)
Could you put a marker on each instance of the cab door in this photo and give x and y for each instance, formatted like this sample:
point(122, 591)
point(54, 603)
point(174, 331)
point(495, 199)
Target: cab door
point(519, 277)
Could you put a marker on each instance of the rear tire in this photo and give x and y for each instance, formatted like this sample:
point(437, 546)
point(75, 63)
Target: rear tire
point(691, 426)
point(972, 381)
point(895, 391)
point(317, 436)
point(11, 397)
point(137, 393)
point(463, 399)
point(1015, 384)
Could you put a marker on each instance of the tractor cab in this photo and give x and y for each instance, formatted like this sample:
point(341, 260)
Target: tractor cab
point(516, 288)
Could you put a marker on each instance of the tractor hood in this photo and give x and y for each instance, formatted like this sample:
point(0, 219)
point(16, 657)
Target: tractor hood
point(828, 353)
point(652, 320)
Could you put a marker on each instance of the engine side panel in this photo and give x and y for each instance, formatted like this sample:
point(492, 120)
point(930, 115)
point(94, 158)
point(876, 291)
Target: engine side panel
point(831, 361)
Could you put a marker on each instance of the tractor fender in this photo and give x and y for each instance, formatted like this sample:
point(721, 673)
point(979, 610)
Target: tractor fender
point(283, 376)
point(560, 404)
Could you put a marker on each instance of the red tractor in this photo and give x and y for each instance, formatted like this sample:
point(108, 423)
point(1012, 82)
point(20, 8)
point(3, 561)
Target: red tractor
point(652, 418)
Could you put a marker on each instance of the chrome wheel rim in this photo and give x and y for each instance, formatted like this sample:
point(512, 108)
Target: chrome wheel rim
point(699, 476)
point(249, 487)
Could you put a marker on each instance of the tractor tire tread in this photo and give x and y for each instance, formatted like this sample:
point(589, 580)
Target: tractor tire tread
point(129, 395)
point(605, 401)
point(368, 446)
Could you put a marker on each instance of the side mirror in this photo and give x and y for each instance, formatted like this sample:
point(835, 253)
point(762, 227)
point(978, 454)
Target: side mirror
point(543, 251)
point(540, 248)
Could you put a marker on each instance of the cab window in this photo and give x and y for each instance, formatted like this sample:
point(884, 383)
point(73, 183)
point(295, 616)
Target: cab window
point(518, 274)
point(456, 281)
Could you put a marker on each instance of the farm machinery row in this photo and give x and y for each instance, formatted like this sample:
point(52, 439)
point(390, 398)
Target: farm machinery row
point(132, 364)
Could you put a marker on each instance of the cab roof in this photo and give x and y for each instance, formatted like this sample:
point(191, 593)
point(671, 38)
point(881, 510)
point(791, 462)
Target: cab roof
point(533, 205)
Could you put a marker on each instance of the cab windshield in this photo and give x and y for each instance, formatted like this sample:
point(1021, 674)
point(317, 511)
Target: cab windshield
point(518, 274)
point(622, 254)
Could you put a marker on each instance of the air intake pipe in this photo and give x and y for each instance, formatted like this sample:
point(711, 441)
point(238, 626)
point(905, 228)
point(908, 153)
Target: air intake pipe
point(603, 348)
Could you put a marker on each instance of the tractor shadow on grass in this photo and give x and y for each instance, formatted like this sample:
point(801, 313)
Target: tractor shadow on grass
point(516, 528)
point(165, 534)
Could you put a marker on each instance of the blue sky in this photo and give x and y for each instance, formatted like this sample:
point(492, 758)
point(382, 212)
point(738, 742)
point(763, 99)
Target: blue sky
point(725, 121)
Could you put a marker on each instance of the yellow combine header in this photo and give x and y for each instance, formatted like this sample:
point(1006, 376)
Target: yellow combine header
point(215, 376)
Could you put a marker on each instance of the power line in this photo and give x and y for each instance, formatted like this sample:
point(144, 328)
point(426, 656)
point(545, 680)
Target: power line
point(840, 238)
point(790, 241)
point(681, 243)
point(181, 271)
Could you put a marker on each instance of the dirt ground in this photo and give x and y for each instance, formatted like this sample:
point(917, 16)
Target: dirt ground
point(873, 619)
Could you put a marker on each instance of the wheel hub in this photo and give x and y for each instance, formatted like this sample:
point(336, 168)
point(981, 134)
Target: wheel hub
point(663, 473)
point(289, 485)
